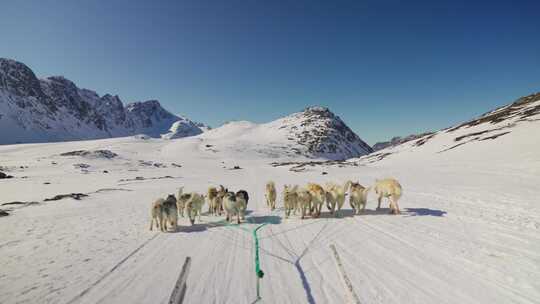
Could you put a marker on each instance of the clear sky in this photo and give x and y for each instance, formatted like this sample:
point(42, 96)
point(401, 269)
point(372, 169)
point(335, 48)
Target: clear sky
point(386, 67)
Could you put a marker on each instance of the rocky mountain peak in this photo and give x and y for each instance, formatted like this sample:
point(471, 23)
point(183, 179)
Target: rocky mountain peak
point(55, 109)
point(323, 134)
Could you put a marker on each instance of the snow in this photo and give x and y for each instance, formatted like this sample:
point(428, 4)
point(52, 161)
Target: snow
point(469, 232)
point(302, 135)
point(183, 128)
point(55, 109)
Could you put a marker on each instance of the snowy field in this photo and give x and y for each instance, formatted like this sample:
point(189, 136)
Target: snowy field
point(469, 231)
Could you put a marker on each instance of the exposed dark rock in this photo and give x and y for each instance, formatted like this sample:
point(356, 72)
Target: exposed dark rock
point(321, 133)
point(81, 166)
point(91, 154)
point(76, 196)
point(495, 136)
point(20, 203)
point(516, 109)
point(140, 178)
point(4, 176)
point(300, 166)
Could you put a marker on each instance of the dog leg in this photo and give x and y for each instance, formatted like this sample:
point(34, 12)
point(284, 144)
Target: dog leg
point(392, 207)
point(396, 206)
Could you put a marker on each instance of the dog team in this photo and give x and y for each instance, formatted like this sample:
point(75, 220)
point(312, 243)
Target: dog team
point(306, 200)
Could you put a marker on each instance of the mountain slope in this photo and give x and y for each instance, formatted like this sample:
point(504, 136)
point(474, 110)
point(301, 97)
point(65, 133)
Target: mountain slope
point(315, 132)
point(398, 140)
point(55, 109)
point(506, 134)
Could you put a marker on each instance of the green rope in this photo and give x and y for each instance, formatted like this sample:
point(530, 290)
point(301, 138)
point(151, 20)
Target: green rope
point(259, 274)
point(258, 271)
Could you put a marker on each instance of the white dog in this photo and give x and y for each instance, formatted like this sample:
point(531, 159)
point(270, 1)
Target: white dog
point(194, 206)
point(391, 189)
point(234, 205)
point(290, 199)
point(303, 201)
point(180, 203)
point(318, 197)
point(358, 197)
point(215, 200)
point(335, 196)
point(192, 203)
point(271, 195)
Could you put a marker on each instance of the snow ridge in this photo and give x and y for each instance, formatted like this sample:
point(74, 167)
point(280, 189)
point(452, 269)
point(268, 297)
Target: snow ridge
point(496, 132)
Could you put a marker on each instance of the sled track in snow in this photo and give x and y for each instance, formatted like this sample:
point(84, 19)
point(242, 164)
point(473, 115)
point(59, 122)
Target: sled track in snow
point(105, 275)
point(346, 281)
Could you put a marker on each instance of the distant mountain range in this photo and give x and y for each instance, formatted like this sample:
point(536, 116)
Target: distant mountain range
point(397, 141)
point(55, 109)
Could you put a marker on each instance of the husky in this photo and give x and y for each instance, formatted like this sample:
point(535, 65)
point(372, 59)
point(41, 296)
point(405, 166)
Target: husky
point(155, 212)
point(391, 189)
point(194, 206)
point(290, 199)
point(211, 195)
point(270, 195)
point(169, 213)
point(215, 200)
point(335, 196)
point(303, 201)
point(233, 205)
point(318, 197)
point(244, 194)
point(180, 202)
point(358, 197)
point(243, 198)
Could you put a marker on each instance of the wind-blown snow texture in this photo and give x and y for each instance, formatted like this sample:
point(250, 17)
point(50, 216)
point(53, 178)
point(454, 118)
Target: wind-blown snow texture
point(55, 109)
point(469, 232)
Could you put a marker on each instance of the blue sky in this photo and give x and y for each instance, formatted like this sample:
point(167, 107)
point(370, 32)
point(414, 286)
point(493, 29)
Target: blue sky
point(386, 67)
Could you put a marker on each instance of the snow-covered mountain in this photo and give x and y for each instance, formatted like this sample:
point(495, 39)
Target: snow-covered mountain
point(184, 128)
point(315, 132)
point(55, 109)
point(506, 134)
point(397, 140)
